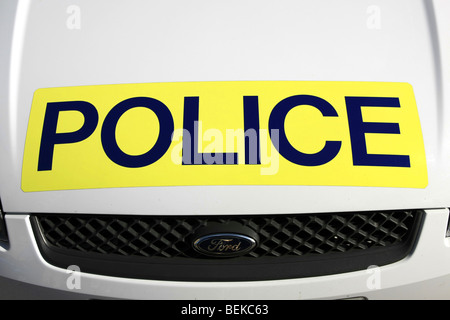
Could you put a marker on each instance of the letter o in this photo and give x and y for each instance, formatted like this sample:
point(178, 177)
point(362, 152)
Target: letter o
point(108, 134)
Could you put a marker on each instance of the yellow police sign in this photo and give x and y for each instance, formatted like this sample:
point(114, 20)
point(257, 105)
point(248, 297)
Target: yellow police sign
point(224, 133)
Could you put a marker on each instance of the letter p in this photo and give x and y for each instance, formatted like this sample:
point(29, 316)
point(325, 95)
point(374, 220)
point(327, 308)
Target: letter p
point(49, 135)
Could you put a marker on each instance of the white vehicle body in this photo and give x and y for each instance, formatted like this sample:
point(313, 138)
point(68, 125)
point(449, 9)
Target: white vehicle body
point(54, 44)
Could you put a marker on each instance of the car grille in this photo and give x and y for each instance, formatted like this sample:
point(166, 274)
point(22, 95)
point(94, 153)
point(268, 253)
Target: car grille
point(282, 238)
point(280, 235)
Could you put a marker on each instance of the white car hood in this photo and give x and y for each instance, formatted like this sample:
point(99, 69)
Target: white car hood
point(51, 44)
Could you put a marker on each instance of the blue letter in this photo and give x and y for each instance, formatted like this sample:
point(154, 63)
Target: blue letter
point(190, 123)
point(276, 122)
point(49, 135)
point(108, 135)
point(251, 127)
point(358, 129)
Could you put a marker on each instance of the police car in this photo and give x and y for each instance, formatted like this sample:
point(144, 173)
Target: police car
point(226, 149)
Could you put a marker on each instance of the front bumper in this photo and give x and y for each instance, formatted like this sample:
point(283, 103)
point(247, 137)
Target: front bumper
point(425, 274)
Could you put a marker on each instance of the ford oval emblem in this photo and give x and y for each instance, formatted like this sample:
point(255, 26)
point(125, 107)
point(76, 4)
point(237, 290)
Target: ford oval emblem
point(224, 244)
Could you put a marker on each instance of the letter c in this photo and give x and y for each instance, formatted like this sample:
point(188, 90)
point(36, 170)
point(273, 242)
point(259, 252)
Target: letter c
point(277, 121)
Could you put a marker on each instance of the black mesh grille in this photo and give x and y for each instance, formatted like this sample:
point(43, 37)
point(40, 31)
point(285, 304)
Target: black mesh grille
point(281, 235)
